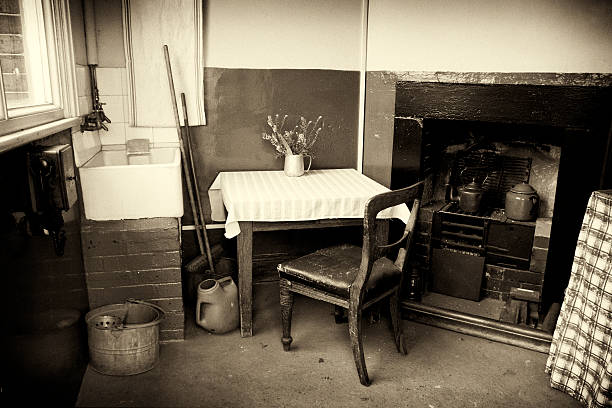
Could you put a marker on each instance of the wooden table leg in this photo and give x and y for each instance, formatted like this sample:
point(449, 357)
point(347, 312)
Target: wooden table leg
point(245, 277)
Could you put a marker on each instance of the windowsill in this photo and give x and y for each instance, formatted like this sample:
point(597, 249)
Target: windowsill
point(22, 137)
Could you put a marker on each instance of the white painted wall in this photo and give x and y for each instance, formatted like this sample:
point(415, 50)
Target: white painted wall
point(490, 35)
point(319, 34)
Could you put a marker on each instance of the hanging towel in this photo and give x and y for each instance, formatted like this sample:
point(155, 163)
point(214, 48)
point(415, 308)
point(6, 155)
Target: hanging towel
point(179, 25)
point(580, 357)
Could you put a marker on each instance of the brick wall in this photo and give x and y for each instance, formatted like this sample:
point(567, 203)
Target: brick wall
point(500, 279)
point(541, 240)
point(138, 259)
point(35, 279)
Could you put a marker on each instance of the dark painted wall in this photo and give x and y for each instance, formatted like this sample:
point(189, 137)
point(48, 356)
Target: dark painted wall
point(43, 348)
point(237, 104)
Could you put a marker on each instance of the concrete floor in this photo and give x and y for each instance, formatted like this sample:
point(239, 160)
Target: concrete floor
point(442, 368)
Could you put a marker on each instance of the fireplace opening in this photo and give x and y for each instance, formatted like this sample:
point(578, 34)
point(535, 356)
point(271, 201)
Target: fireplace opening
point(480, 254)
point(491, 137)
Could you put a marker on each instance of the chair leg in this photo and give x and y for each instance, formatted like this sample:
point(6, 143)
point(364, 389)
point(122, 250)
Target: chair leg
point(286, 306)
point(396, 321)
point(354, 321)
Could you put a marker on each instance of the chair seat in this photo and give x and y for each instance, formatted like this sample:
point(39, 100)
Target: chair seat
point(334, 269)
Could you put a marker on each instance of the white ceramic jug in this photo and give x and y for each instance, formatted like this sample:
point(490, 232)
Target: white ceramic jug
point(294, 165)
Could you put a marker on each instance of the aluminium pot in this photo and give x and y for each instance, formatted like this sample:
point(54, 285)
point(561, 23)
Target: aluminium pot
point(522, 202)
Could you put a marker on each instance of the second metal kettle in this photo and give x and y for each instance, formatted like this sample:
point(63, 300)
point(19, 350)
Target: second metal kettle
point(522, 202)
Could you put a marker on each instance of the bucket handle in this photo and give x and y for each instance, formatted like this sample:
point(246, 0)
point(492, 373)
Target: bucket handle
point(142, 302)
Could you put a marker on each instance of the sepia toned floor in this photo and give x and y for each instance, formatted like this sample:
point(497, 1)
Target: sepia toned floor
point(442, 368)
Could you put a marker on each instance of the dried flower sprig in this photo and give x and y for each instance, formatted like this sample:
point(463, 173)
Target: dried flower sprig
point(299, 140)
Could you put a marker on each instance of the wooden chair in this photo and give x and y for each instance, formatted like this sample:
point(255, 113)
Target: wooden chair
point(354, 278)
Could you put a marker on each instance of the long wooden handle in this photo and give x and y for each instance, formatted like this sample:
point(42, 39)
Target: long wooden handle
point(182, 147)
point(195, 184)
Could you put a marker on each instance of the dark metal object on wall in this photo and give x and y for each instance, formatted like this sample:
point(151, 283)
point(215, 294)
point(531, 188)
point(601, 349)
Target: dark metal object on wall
point(52, 190)
point(56, 166)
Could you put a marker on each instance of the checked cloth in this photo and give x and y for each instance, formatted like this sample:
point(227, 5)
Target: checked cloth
point(580, 357)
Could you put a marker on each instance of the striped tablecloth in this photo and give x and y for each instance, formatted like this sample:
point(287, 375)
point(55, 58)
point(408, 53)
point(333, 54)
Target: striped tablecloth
point(272, 196)
point(580, 358)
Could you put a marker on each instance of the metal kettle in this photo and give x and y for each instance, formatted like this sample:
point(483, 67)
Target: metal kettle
point(522, 202)
point(470, 196)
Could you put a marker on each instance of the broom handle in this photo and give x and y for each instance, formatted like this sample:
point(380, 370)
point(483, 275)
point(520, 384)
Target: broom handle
point(195, 185)
point(182, 148)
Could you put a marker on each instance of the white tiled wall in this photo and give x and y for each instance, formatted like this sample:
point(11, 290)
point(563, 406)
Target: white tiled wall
point(83, 89)
point(164, 137)
point(109, 80)
point(112, 86)
point(139, 133)
point(85, 144)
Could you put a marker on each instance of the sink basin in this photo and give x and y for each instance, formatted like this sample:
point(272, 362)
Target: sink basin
point(118, 186)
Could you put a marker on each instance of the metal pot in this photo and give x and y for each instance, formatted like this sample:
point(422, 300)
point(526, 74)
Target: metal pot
point(470, 196)
point(522, 202)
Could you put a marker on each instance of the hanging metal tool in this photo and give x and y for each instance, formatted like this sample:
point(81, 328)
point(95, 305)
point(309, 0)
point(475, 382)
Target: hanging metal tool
point(96, 118)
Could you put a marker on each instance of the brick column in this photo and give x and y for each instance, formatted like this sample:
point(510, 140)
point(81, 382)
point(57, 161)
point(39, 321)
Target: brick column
point(541, 241)
point(138, 259)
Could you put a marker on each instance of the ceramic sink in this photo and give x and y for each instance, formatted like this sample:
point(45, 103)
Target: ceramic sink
point(119, 186)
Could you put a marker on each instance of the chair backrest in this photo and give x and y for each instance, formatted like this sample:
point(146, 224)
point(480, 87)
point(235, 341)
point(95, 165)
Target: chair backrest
point(371, 249)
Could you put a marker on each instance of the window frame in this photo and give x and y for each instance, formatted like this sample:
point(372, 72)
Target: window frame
point(62, 72)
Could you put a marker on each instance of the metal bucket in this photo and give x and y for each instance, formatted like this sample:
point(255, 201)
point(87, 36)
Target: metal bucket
point(124, 338)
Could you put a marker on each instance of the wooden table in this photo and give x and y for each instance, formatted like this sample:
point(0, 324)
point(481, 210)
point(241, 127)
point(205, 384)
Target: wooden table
point(270, 201)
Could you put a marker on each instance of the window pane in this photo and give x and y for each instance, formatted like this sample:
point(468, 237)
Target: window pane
point(23, 54)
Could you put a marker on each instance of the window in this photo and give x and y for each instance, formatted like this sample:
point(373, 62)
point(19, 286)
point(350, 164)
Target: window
point(36, 62)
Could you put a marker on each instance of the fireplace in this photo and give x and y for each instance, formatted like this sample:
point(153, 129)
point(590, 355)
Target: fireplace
point(481, 252)
point(555, 137)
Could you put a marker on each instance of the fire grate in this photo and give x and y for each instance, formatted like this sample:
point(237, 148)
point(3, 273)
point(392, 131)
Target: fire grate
point(498, 172)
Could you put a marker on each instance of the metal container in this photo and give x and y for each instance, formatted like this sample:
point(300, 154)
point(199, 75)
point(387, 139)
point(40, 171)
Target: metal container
point(124, 338)
point(522, 202)
point(470, 196)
